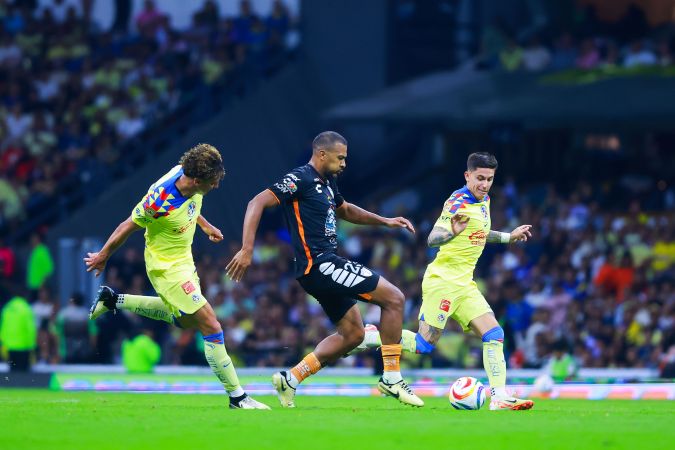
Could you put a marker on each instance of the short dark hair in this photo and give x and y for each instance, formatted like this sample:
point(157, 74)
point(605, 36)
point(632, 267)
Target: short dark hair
point(483, 160)
point(327, 140)
point(203, 161)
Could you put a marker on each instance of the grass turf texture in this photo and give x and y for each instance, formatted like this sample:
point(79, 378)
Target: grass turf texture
point(41, 419)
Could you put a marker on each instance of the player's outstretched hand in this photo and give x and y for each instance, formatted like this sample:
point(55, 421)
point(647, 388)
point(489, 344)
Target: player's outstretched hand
point(521, 233)
point(237, 267)
point(458, 222)
point(95, 261)
point(400, 222)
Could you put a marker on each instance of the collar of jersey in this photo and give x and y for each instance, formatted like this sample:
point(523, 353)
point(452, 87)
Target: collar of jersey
point(166, 197)
point(466, 194)
point(323, 180)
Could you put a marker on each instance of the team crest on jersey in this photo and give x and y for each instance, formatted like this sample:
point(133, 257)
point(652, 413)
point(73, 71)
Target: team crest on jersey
point(483, 211)
point(191, 209)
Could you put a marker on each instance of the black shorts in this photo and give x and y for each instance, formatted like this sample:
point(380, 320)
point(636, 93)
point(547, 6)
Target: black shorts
point(337, 283)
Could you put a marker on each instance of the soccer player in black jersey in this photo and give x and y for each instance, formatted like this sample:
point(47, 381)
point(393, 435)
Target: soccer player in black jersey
point(312, 202)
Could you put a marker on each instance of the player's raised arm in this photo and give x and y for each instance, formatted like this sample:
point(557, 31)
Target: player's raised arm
point(214, 234)
point(97, 261)
point(440, 235)
point(354, 214)
point(237, 267)
point(521, 233)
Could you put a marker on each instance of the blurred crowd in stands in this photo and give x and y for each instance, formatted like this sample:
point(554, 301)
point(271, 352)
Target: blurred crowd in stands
point(596, 284)
point(72, 95)
point(587, 43)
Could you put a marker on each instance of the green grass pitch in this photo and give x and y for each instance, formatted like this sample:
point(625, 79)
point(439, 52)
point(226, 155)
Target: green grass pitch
point(41, 419)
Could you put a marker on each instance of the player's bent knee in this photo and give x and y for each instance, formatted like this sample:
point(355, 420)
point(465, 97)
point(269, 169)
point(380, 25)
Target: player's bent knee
point(422, 345)
point(494, 334)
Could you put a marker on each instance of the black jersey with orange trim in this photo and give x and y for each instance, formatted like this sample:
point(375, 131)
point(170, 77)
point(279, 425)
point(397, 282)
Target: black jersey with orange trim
point(309, 201)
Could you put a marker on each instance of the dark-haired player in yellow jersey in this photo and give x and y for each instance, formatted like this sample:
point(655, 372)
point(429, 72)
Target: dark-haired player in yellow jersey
point(170, 213)
point(448, 289)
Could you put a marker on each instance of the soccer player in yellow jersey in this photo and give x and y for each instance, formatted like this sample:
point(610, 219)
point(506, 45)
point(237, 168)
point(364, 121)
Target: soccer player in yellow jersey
point(170, 213)
point(448, 289)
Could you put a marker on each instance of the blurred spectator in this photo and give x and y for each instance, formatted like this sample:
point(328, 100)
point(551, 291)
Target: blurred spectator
point(40, 264)
point(44, 310)
point(536, 57)
point(511, 55)
point(7, 261)
point(76, 333)
point(561, 365)
point(208, 16)
point(589, 56)
point(149, 19)
point(638, 55)
point(18, 334)
point(140, 354)
point(564, 53)
point(616, 280)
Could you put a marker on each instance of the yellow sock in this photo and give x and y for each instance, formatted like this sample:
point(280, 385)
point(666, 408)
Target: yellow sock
point(495, 366)
point(308, 366)
point(143, 305)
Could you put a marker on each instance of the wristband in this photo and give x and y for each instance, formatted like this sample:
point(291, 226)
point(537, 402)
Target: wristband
point(504, 238)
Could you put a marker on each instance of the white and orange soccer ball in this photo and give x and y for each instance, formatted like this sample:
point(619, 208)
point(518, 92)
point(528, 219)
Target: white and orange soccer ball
point(467, 393)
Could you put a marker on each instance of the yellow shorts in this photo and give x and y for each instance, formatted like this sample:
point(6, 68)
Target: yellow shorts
point(179, 289)
point(441, 300)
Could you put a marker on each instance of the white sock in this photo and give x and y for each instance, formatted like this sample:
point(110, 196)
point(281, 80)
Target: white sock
point(238, 392)
point(391, 377)
point(499, 392)
point(292, 381)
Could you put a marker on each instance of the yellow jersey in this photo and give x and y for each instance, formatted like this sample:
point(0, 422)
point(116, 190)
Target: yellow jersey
point(169, 220)
point(456, 260)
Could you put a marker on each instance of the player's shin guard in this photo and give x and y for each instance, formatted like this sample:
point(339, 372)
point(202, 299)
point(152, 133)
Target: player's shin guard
point(221, 363)
point(493, 361)
point(150, 307)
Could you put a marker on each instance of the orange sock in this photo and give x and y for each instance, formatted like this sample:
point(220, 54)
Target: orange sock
point(308, 366)
point(391, 355)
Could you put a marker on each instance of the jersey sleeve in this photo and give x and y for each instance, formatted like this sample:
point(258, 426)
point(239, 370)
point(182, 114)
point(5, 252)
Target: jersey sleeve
point(288, 187)
point(139, 215)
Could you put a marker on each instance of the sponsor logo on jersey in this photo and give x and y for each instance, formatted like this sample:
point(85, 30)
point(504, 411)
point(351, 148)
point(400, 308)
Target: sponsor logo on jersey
point(184, 228)
point(445, 305)
point(150, 212)
point(188, 287)
point(478, 237)
point(330, 228)
point(192, 207)
point(350, 275)
point(288, 184)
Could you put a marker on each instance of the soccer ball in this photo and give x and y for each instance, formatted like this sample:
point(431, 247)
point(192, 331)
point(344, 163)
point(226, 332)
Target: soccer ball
point(467, 393)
